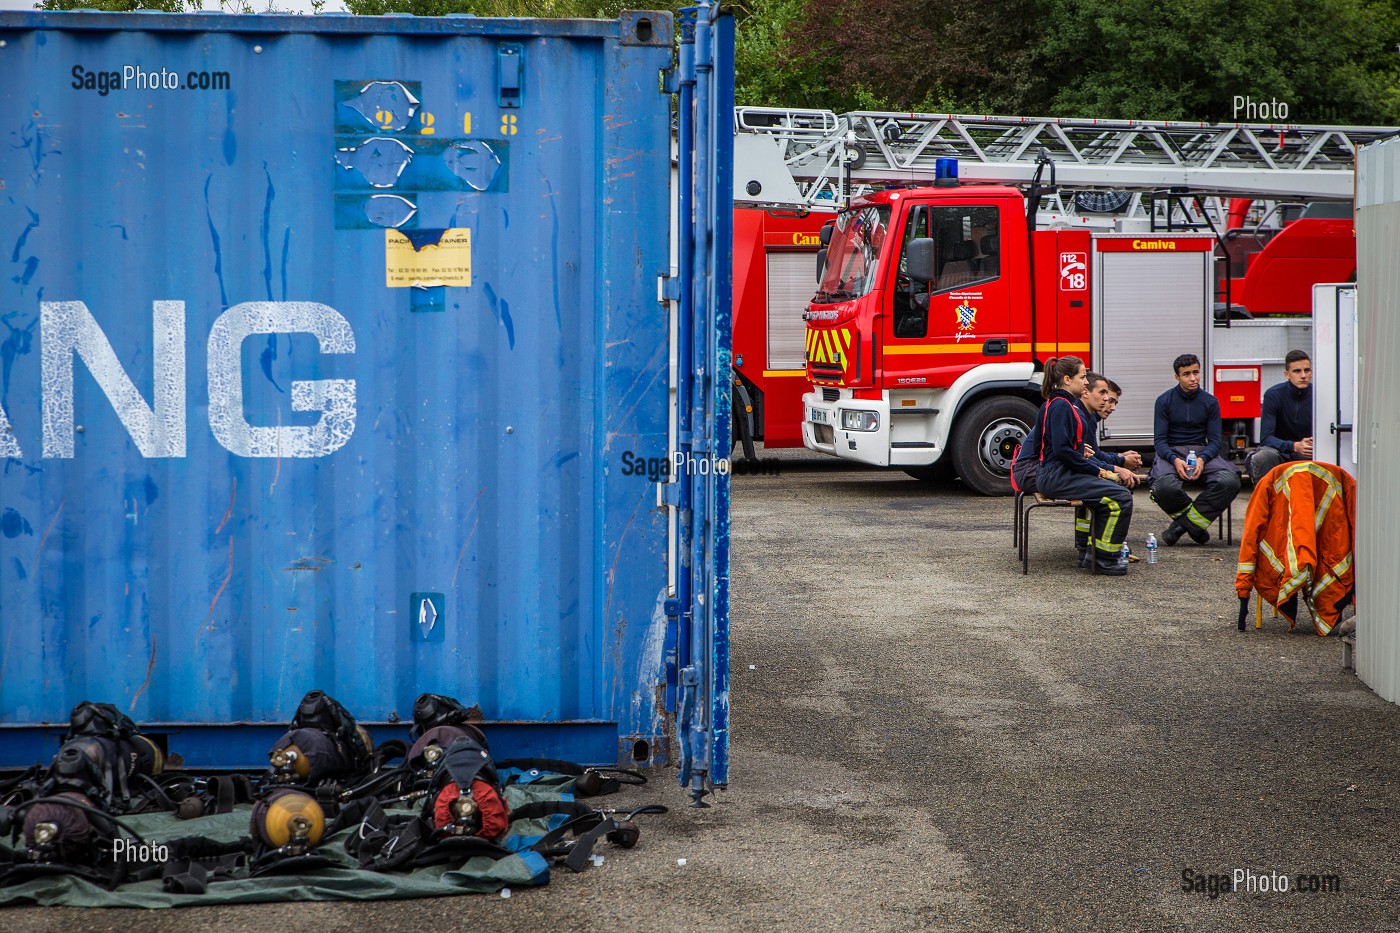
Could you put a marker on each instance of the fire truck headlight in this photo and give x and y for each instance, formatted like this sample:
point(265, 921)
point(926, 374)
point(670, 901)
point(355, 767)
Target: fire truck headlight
point(859, 420)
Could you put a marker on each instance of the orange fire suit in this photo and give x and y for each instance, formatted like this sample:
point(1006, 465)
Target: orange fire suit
point(1297, 542)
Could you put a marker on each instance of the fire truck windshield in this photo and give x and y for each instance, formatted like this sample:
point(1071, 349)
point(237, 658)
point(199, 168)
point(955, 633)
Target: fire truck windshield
point(853, 254)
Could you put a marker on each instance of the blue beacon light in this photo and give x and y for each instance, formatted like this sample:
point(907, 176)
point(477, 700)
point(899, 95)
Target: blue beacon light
point(945, 173)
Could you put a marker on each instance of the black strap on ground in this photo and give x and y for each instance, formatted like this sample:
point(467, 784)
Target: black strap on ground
point(589, 782)
point(274, 864)
point(195, 862)
point(389, 750)
point(185, 876)
point(542, 808)
point(390, 780)
point(31, 777)
point(386, 851)
point(582, 850)
point(157, 795)
point(106, 876)
point(226, 791)
point(459, 849)
point(355, 812)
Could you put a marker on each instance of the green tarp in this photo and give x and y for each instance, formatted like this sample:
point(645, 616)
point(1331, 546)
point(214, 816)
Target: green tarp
point(479, 875)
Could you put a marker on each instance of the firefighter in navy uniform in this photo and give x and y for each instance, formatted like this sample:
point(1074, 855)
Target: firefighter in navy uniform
point(1098, 402)
point(1285, 423)
point(1068, 472)
point(1187, 418)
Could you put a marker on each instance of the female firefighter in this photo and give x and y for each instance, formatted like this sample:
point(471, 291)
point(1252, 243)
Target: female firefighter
point(1068, 472)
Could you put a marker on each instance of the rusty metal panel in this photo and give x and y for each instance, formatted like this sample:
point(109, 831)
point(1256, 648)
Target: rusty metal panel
point(325, 343)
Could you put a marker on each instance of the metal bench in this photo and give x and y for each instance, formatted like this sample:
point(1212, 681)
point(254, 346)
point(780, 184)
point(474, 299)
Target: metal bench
point(1022, 532)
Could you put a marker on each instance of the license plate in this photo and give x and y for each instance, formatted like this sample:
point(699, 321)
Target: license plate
point(818, 416)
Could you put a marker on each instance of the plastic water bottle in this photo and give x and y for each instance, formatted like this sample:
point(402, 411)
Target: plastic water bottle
point(1191, 463)
point(1123, 555)
point(1151, 548)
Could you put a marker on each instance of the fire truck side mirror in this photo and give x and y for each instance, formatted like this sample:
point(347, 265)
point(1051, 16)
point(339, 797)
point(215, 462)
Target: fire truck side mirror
point(821, 262)
point(824, 234)
point(919, 260)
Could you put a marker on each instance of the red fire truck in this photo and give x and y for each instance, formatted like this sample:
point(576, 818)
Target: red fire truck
point(937, 304)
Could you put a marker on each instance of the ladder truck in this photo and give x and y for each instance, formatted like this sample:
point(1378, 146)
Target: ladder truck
point(966, 250)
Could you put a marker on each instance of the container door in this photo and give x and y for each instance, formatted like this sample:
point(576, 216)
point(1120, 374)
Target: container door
point(340, 367)
point(1334, 374)
point(700, 610)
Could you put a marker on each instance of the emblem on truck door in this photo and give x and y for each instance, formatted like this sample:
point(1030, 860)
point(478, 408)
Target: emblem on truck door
point(967, 321)
point(1074, 272)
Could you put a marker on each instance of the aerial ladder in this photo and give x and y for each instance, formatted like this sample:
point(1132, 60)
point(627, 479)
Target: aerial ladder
point(819, 160)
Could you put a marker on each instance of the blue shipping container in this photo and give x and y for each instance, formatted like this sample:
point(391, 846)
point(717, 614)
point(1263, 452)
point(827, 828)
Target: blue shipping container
point(332, 357)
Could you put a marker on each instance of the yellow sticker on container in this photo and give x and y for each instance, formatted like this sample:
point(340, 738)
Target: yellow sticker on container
point(446, 262)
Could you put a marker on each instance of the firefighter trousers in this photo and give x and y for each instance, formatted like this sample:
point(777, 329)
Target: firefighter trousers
point(1220, 479)
point(1110, 505)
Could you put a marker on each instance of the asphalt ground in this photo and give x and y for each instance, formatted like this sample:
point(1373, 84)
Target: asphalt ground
point(924, 739)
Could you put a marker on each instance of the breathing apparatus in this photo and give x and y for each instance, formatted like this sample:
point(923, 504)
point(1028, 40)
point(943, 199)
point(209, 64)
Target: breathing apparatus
point(322, 743)
point(103, 758)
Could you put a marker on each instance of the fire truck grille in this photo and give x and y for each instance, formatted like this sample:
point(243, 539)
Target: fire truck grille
point(830, 395)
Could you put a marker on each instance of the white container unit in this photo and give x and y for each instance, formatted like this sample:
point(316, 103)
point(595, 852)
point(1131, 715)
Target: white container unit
point(1377, 423)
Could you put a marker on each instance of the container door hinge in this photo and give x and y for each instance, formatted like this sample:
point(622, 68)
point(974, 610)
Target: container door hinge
point(510, 70)
point(670, 494)
point(668, 288)
point(669, 84)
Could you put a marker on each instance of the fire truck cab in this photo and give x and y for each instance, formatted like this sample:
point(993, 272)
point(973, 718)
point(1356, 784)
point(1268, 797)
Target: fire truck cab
point(919, 335)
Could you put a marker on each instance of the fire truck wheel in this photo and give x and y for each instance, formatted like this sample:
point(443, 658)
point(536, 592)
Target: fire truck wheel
point(985, 439)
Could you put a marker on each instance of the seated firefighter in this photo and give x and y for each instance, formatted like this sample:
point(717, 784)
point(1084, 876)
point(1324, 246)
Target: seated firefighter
point(1285, 421)
point(1186, 421)
point(1068, 471)
point(1099, 400)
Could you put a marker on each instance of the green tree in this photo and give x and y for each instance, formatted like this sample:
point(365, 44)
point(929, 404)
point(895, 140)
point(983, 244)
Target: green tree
point(766, 73)
point(1330, 61)
point(926, 55)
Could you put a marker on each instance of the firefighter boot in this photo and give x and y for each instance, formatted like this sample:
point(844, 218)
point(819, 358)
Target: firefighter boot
point(1173, 533)
point(1109, 566)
